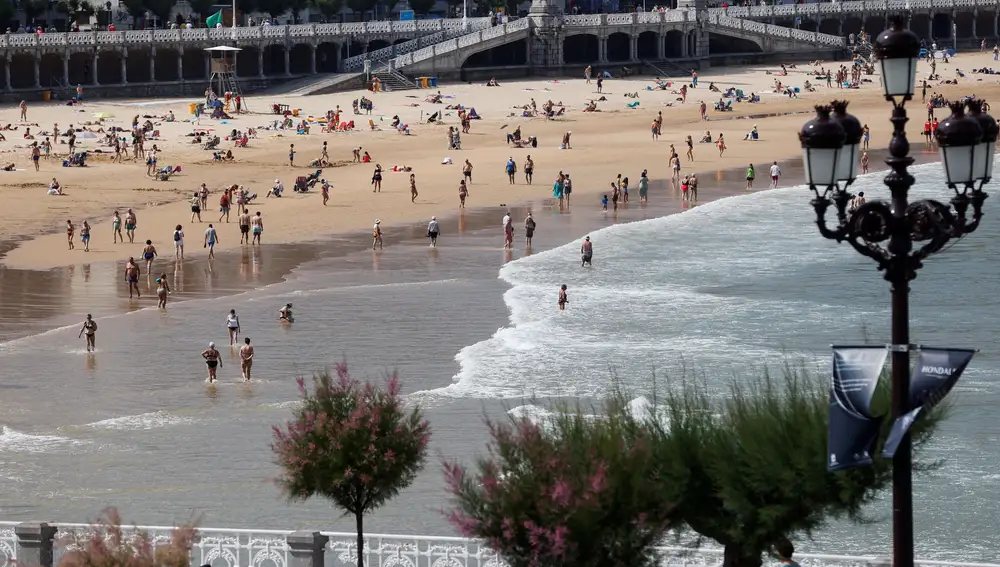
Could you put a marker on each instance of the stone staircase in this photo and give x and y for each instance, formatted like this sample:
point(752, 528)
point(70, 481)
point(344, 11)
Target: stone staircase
point(393, 80)
point(772, 37)
point(379, 56)
point(427, 59)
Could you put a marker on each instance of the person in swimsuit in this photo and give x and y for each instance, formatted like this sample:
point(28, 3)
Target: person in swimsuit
point(563, 297)
point(257, 222)
point(377, 235)
point(511, 169)
point(529, 230)
point(751, 175)
point(529, 169)
point(377, 178)
point(196, 207)
point(85, 236)
point(162, 290)
point(693, 188)
point(69, 233)
point(116, 228)
point(463, 192)
point(586, 252)
point(90, 328)
point(246, 359)
point(413, 188)
point(213, 360)
point(643, 187)
point(148, 253)
point(291, 155)
point(244, 221)
point(285, 314)
point(130, 224)
point(233, 324)
point(467, 171)
point(690, 145)
point(211, 239)
point(624, 189)
point(132, 277)
point(224, 206)
point(179, 243)
point(685, 186)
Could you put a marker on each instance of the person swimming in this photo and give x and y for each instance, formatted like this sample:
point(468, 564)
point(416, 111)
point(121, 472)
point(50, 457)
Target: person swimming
point(285, 314)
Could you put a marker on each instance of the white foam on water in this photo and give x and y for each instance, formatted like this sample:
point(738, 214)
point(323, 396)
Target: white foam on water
point(12, 441)
point(140, 422)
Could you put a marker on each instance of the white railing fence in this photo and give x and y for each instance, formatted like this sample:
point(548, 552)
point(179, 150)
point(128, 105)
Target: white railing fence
point(280, 548)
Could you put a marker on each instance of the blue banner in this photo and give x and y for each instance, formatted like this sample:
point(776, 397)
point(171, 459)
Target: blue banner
point(851, 430)
point(937, 371)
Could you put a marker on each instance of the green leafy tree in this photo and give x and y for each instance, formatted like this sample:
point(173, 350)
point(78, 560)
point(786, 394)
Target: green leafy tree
point(754, 471)
point(330, 9)
point(422, 7)
point(352, 443)
point(574, 491)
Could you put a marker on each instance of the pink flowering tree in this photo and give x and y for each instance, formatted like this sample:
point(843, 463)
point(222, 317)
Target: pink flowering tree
point(573, 491)
point(352, 443)
point(107, 544)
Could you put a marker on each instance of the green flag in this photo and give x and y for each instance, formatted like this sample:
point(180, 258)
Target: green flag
point(214, 20)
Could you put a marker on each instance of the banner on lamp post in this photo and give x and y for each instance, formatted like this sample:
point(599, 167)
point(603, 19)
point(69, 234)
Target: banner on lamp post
point(851, 430)
point(937, 371)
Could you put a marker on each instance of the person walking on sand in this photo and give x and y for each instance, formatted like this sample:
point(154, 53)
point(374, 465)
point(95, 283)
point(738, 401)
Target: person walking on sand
point(244, 221)
point(196, 207)
point(162, 290)
point(211, 239)
point(467, 171)
point(233, 325)
point(36, 154)
point(213, 360)
point(721, 144)
point(132, 277)
point(377, 234)
point(24, 111)
point(433, 229)
point(130, 223)
point(508, 232)
point(148, 253)
point(529, 169)
point(90, 329)
point(511, 169)
point(85, 236)
point(224, 206)
point(690, 144)
point(589, 71)
point(203, 192)
point(563, 297)
point(775, 174)
point(246, 359)
point(586, 253)
point(178, 243)
point(69, 233)
point(529, 230)
point(257, 224)
point(413, 188)
point(291, 155)
point(751, 174)
point(463, 192)
point(377, 178)
point(116, 228)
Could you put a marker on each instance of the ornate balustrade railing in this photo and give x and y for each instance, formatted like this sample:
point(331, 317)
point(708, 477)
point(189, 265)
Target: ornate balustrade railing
point(357, 62)
point(588, 20)
point(93, 38)
point(850, 7)
point(450, 45)
point(772, 30)
point(280, 548)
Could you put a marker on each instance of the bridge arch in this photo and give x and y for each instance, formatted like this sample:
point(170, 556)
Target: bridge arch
point(619, 47)
point(274, 59)
point(166, 64)
point(647, 46)
point(137, 64)
point(941, 26)
point(984, 23)
point(581, 48)
point(194, 64)
point(853, 25)
point(965, 24)
point(300, 60)
point(508, 54)
point(920, 24)
point(376, 44)
point(723, 44)
point(673, 44)
point(874, 25)
point(327, 57)
point(50, 69)
point(109, 67)
point(247, 64)
point(830, 26)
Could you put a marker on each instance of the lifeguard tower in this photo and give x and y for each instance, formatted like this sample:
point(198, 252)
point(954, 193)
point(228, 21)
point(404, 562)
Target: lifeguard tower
point(223, 80)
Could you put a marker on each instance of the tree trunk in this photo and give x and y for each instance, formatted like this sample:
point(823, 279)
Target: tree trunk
point(359, 519)
point(737, 557)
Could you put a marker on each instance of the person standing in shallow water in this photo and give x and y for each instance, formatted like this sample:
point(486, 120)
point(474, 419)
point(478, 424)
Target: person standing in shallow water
point(90, 329)
point(213, 360)
point(162, 289)
point(586, 253)
point(132, 277)
point(563, 297)
point(246, 359)
point(233, 324)
point(529, 230)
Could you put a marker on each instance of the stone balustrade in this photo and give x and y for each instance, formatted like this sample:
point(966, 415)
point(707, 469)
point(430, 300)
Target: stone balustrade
point(41, 545)
point(832, 9)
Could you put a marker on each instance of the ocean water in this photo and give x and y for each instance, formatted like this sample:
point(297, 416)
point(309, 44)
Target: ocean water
point(737, 285)
point(722, 289)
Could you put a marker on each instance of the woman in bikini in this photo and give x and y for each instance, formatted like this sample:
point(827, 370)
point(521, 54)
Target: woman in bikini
point(213, 360)
point(233, 324)
point(116, 228)
point(563, 297)
point(162, 289)
point(377, 179)
point(148, 253)
point(463, 192)
point(69, 233)
point(413, 188)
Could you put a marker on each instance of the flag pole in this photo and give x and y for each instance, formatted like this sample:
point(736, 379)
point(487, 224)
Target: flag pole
point(234, 20)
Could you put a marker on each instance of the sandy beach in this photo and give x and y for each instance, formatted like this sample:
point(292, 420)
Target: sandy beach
point(615, 140)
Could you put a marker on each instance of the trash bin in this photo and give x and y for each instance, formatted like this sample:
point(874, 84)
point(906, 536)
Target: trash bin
point(46, 95)
point(422, 82)
point(434, 82)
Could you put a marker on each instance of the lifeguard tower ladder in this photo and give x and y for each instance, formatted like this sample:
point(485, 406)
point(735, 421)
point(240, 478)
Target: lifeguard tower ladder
point(224, 80)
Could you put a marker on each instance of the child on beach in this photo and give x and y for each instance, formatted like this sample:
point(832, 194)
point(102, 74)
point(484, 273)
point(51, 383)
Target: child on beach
point(563, 297)
point(604, 203)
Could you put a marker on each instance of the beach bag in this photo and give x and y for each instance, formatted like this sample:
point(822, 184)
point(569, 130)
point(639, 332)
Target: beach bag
point(177, 236)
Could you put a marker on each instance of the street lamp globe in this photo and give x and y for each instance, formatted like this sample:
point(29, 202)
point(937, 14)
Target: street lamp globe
point(958, 136)
point(897, 49)
point(847, 162)
point(982, 162)
point(822, 139)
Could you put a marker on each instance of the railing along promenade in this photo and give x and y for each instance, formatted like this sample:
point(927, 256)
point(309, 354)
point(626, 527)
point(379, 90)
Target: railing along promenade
point(832, 9)
point(300, 31)
point(40, 545)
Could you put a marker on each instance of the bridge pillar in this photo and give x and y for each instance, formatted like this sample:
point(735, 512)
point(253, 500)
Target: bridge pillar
point(546, 39)
point(996, 32)
point(260, 61)
point(661, 53)
point(312, 61)
point(38, 74)
point(602, 49)
point(633, 47)
point(180, 64)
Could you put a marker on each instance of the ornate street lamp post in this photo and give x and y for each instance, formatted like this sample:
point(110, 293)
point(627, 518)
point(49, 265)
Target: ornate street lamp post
point(887, 231)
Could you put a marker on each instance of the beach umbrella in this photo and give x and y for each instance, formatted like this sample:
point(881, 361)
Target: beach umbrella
point(103, 115)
